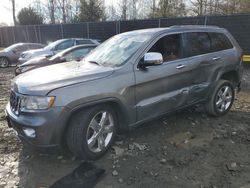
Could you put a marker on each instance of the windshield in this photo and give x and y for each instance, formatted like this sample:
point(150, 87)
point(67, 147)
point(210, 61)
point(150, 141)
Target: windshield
point(52, 45)
point(117, 50)
point(12, 47)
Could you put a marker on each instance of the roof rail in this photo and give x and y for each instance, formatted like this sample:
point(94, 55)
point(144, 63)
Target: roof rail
point(178, 26)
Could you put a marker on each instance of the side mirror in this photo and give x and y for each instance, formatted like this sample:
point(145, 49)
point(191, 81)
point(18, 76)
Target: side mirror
point(151, 59)
point(79, 58)
point(14, 51)
point(62, 59)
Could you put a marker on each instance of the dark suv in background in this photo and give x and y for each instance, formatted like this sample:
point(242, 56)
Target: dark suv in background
point(131, 78)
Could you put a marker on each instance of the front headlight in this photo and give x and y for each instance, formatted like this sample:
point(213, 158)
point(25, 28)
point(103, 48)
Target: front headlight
point(36, 103)
point(27, 56)
point(24, 69)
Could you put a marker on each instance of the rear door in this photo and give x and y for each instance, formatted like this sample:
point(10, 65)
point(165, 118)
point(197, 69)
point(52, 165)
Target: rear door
point(223, 49)
point(164, 87)
point(197, 51)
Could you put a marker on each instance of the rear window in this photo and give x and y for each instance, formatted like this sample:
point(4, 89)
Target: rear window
point(79, 42)
point(35, 46)
point(197, 43)
point(220, 42)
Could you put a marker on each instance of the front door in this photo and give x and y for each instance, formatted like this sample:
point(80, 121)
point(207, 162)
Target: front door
point(165, 87)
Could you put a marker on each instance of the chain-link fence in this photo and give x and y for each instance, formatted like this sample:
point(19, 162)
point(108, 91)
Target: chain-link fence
point(238, 25)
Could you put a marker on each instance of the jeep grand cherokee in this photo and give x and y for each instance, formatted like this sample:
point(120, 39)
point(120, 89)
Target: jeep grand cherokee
point(131, 78)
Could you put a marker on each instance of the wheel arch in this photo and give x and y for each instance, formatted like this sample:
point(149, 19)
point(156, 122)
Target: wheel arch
point(3, 56)
point(231, 76)
point(120, 109)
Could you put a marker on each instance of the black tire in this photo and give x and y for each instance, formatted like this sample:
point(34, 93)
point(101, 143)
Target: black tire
point(16, 71)
point(4, 62)
point(78, 129)
point(211, 107)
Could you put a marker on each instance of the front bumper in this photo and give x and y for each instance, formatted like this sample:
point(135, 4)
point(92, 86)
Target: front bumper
point(48, 126)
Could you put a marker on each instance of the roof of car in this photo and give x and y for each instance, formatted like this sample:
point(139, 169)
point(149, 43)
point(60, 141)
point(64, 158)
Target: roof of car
point(79, 46)
point(174, 28)
point(28, 43)
point(83, 45)
point(77, 39)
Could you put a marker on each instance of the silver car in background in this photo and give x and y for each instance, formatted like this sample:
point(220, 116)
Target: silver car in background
point(54, 48)
point(11, 54)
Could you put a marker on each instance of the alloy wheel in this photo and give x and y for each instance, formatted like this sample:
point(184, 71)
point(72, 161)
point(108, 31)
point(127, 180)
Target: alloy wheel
point(3, 62)
point(224, 98)
point(100, 131)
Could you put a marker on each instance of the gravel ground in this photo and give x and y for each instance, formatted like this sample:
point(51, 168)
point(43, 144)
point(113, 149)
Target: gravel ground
point(185, 149)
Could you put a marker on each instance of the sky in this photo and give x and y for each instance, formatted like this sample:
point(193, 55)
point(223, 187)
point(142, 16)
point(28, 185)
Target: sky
point(6, 7)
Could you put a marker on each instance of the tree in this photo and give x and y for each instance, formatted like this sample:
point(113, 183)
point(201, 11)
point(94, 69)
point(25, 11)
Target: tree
point(153, 8)
point(123, 4)
point(14, 11)
point(215, 7)
point(28, 16)
point(111, 13)
point(171, 8)
point(91, 10)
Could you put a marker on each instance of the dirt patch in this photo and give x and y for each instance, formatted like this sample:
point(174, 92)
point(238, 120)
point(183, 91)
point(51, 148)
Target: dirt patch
point(185, 149)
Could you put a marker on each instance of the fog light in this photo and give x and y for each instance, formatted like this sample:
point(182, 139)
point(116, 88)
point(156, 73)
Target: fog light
point(29, 132)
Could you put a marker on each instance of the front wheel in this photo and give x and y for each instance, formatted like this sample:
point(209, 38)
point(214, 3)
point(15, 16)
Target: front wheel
point(4, 62)
point(92, 132)
point(222, 99)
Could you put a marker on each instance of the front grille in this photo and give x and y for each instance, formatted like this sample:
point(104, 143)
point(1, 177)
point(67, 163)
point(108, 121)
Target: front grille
point(15, 102)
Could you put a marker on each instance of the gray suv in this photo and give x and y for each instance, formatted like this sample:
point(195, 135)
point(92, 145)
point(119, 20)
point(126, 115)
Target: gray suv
point(131, 78)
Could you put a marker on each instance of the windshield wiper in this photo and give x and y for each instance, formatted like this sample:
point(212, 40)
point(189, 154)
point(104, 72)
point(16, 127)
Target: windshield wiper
point(94, 62)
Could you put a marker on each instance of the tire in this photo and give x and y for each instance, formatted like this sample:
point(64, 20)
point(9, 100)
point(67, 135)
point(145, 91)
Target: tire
point(85, 126)
point(221, 99)
point(4, 62)
point(17, 72)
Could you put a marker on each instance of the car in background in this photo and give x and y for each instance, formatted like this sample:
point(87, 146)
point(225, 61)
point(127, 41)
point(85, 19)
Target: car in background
point(11, 54)
point(73, 53)
point(55, 47)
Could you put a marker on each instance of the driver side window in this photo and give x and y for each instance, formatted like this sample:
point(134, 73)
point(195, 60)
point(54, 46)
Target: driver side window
point(169, 46)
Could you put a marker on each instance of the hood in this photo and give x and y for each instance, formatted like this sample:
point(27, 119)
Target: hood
point(42, 80)
point(37, 52)
point(35, 61)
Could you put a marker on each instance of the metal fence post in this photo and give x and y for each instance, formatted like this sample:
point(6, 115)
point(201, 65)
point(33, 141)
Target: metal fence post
point(13, 35)
point(34, 27)
point(116, 27)
point(119, 26)
point(39, 31)
point(205, 20)
point(27, 33)
point(1, 38)
point(88, 30)
point(62, 34)
point(159, 22)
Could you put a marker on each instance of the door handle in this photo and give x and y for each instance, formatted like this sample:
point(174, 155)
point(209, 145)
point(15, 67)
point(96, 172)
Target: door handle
point(181, 66)
point(216, 58)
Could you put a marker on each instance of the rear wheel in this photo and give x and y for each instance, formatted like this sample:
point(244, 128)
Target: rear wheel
point(4, 62)
point(92, 132)
point(221, 99)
